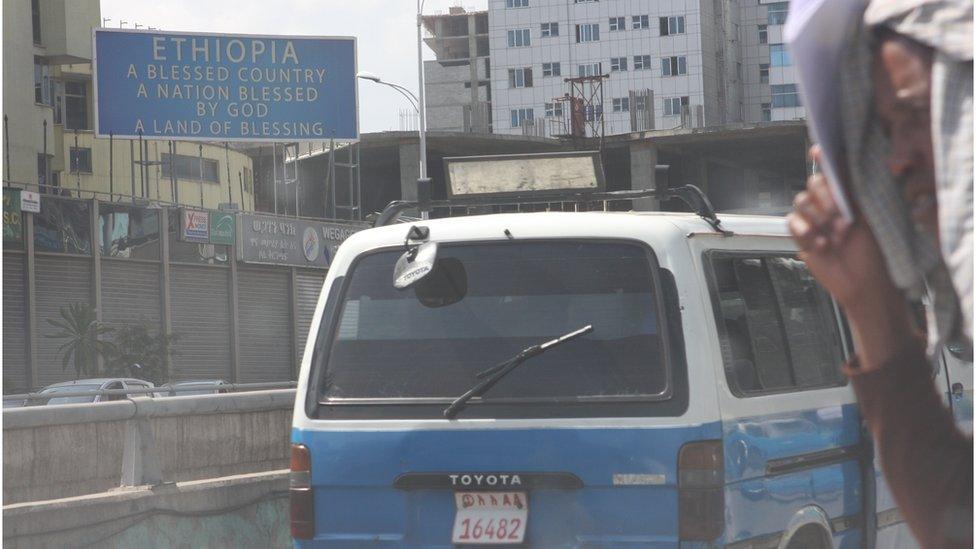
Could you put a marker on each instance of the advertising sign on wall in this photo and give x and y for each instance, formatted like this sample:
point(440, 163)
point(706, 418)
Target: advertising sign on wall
point(196, 226)
point(222, 228)
point(13, 220)
point(295, 242)
point(220, 87)
point(30, 202)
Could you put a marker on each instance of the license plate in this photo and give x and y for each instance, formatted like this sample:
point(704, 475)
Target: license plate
point(490, 517)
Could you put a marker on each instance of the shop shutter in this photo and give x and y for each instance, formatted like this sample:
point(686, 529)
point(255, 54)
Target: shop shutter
point(61, 281)
point(130, 293)
point(15, 378)
point(308, 285)
point(264, 302)
point(200, 298)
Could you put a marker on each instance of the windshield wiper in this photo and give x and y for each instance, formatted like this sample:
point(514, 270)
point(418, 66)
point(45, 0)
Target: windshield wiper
point(493, 375)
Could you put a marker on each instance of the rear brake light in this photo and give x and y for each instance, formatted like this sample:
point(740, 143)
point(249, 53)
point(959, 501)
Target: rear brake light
point(300, 495)
point(701, 498)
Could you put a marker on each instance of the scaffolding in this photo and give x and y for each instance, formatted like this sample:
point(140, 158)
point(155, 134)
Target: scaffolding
point(585, 101)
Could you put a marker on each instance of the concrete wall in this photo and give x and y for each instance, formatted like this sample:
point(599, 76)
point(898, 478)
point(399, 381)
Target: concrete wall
point(238, 511)
point(54, 452)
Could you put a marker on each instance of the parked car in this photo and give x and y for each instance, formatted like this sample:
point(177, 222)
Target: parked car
point(195, 387)
point(96, 384)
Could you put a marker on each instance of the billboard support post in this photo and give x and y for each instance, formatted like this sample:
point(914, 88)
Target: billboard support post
point(111, 167)
point(142, 169)
point(200, 160)
point(132, 168)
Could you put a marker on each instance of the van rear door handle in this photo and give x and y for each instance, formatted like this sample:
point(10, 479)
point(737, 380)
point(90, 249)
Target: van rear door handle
point(957, 389)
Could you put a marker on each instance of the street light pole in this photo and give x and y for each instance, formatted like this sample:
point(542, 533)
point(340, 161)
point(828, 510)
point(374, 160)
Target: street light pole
point(422, 106)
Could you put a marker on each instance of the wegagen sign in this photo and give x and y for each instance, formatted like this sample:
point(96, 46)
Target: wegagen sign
point(218, 87)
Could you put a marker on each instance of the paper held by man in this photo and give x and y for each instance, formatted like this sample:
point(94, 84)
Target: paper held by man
point(815, 32)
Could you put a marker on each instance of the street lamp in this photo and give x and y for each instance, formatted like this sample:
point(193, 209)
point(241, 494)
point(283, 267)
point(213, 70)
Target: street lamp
point(403, 91)
point(417, 104)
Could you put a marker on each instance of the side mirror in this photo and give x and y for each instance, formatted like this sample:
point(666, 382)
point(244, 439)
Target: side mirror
point(418, 261)
point(415, 264)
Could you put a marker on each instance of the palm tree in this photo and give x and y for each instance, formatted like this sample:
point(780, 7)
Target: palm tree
point(81, 333)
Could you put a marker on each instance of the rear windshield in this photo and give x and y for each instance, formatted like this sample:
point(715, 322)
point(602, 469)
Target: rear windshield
point(387, 344)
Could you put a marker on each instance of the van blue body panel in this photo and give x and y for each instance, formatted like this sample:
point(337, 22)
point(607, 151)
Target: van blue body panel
point(761, 501)
point(356, 503)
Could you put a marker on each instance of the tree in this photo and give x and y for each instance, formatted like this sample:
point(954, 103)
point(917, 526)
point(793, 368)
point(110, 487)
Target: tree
point(142, 351)
point(81, 332)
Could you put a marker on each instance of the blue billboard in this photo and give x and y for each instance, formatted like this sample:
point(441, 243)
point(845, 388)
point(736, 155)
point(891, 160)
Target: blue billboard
point(220, 87)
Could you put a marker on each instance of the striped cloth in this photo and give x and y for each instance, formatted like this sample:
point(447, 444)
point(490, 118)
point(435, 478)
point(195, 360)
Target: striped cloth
point(914, 259)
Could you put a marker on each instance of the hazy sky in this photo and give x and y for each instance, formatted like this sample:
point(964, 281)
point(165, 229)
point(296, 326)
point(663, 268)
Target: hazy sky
point(386, 33)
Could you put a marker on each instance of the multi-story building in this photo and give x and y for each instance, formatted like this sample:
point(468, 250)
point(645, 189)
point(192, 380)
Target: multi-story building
point(48, 112)
point(457, 86)
point(680, 63)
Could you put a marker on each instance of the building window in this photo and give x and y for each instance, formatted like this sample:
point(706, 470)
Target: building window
point(520, 78)
point(550, 29)
point(516, 3)
point(776, 14)
point(764, 73)
point(618, 64)
point(763, 34)
point(642, 62)
point(36, 20)
point(779, 55)
point(621, 104)
point(42, 82)
point(672, 25)
point(519, 38)
point(57, 94)
point(641, 22)
point(785, 95)
point(551, 69)
point(778, 327)
point(554, 110)
point(188, 167)
point(522, 117)
point(590, 69)
point(587, 32)
point(767, 112)
point(81, 161)
point(618, 23)
point(76, 105)
point(593, 113)
point(673, 105)
point(674, 66)
point(584, 1)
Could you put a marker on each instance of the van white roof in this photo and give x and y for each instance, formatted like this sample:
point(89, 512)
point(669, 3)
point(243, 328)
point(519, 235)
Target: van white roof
point(575, 224)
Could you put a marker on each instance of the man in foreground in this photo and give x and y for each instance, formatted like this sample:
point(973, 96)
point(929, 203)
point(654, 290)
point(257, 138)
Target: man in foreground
point(908, 172)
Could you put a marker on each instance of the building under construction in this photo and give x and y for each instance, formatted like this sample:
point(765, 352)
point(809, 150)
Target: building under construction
point(458, 90)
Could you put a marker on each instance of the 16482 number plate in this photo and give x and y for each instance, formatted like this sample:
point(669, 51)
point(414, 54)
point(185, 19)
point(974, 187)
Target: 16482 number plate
point(490, 517)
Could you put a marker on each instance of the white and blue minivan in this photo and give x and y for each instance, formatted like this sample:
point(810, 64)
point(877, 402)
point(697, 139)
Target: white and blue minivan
point(601, 379)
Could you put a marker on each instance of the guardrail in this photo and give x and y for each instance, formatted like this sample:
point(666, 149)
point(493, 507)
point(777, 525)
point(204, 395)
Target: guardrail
point(75, 449)
point(160, 391)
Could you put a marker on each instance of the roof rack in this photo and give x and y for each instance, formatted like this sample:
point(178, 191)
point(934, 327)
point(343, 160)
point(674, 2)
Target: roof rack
point(689, 194)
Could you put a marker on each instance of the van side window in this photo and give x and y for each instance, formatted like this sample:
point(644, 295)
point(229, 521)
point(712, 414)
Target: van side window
point(777, 326)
